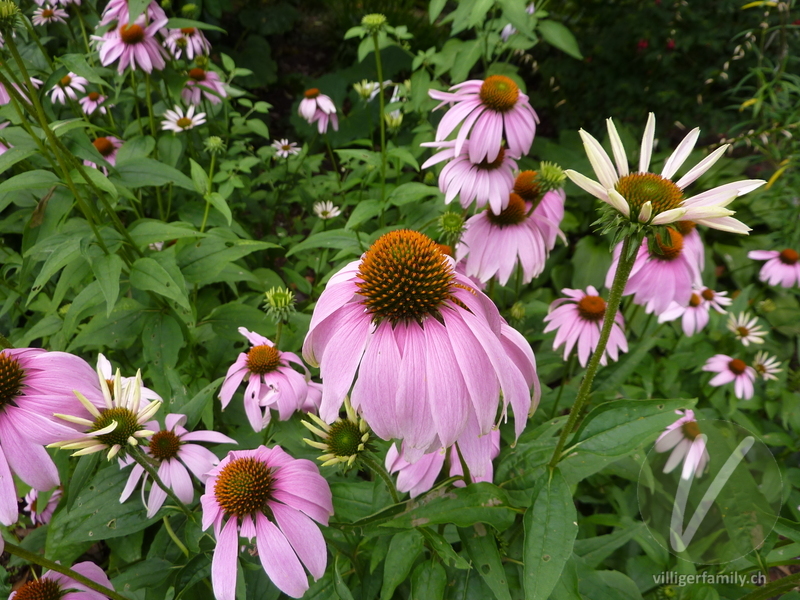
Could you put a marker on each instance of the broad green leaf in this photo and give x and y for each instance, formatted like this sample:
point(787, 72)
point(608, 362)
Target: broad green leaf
point(136, 8)
point(82, 473)
point(30, 180)
point(551, 525)
point(364, 211)
point(595, 550)
point(107, 269)
point(118, 330)
point(468, 55)
point(335, 238)
point(342, 590)
point(97, 179)
point(435, 9)
point(67, 251)
point(97, 513)
point(147, 274)
point(403, 551)
point(149, 231)
point(428, 581)
point(138, 147)
point(184, 23)
point(195, 407)
point(44, 327)
point(412, 192)
point(12, 156)
point(557, 35)
point(200, 179)
point(203, 259)
point(145, 574)
point(258, 126)
point(590, 262)
point(225, 320)
point(482, 549)
point(442, 547)
point(141, 172)
point(162, 339)
point(479, 502)
point(218, 201)
point(516, 14)
point(76, 63)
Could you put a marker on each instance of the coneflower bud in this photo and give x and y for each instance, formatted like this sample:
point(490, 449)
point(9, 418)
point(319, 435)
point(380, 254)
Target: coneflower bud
point(214, 144)
point(373, 23)
point(188, 10)
point(451, 226)
point(9, 14)
point(550, 177)
point(279, 303)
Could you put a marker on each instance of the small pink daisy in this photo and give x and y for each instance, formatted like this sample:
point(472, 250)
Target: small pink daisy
point(579, 319)
point(782, 268)
point(318, 108)
point(683, 437)
point(694, 315)
point(271, 381)
point(732, 370)
point(5, 98)
point(417, 478)
point(267, 494)
point(284, 149)
point(67, 87)
point(41, 515)
point(107, 147)
point(117, 10)
point(423, 350)
point(34, 384)
point(56, 585)
point(46, 15)
point(134, 45)
point(483, 182)
point(176, 459)
point(522, 234)
point(93, 101)
point(187, 39)
point(657, 280)
point(488, 111)
point(203, 84)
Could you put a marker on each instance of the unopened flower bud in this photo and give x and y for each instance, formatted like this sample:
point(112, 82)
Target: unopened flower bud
point(188, 9)
point(214, 144)
point(518, 311)
point(550, 177)
point(373, 23)
point(451, 226)
point(279, 303)
point(393, 120)
point(166, 4)
point(9, 14)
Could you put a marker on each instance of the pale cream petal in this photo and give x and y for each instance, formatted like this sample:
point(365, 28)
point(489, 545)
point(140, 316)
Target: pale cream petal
point(617, 148)
point(647, 144)
point(601, 163)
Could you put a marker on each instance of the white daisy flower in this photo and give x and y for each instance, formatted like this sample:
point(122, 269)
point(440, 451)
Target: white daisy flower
point(326, 210)
point(285, 149)
point(746, 329)
point(766, 366)
point(686, 441)
point(647, 197)
point(177, 121)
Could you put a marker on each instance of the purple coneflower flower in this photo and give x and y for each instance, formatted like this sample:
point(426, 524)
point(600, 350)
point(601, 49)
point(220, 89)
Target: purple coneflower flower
point(732, 370)
point(271, 381)
point(318, 108)
point(488, 111)
point(650, 198)
point(203, 84)
point(175, 458)
point(67, 87)
point(240, 492)
point(656, 280)
point(187, 39)
point(694, 315)
point(56, 585)
point(175, 120)
point(522, 234)
point(46, 15)
point(5, 98)
point(578, 320)
point(93, 101)
point(782, 268)
point(41, 515)
point(430, 351)
point(107, 147)
point(683, 437)
point(483, 182)
point(117, 10)
point(134, 45)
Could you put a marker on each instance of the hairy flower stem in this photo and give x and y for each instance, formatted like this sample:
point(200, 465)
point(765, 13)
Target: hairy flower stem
point(142, 460)
point(626, 260)
point(381, 100)
point(54, 566)
point(378, 469)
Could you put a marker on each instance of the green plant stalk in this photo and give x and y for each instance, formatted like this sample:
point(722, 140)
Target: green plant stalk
point(85, 37)
point(174, 537)
point(379, 67)
point(567, 375)
point(54, 566)
point(142, 460)
point(135, 91)
point(466, 475)
point(626, 260)
point(208, 203)
point(378, 469)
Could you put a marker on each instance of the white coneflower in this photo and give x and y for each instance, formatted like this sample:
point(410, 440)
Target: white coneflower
point(118, 425)
point(766, 366)
point(326, 210)
point(48, 14)
point(746, 330)
point(285, 149)
point(67, 87)
point(177, 121)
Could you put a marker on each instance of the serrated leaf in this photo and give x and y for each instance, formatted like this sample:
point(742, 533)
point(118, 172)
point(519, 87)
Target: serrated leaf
point(107, 269)
point(147, 274)
point(551, 525)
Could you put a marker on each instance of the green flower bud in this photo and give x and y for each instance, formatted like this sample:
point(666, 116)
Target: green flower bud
point(279, 303)
point(214, 144)
point(9, 15)
point(188, 9)
point(518, 311)
point(393, 120)
point(550, 177)
point(373, 23)
point(451, 226)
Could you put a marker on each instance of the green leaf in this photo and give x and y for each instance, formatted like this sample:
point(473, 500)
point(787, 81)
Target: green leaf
point(147, 274)
point(30, 180)
point(225, 320)
point(146, 574)
point(203, 259)
point(551, 525)
point(335, 238)
point(200, 178)
point(218, 201)
point(435, 9)
point(12, 156)
point(555, 34)
point(482, 549)
point(412, 192)
point(96, 178)
point(590, 263)
point(342, 590)
point(259, 127)
point(364, 211)
point(107, 269)
point(429, 581)
point(118, 330)
point(162, 339)
point(479, 502)
point(517, 15)
point(149, 231)
point(66, 252)
point(443, 548)
point(82, 473)
point(468, 55)
point(136, 8)
point(595, 550)
point(76, 63)
point(138, 147)
point(404, 549)
point(176, 23)
point(97, 514)
point(195, 407)
point(141, 172)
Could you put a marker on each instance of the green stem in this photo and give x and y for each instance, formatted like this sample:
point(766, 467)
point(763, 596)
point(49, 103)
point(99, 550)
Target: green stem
point(85, 37)
point(467, 476)
point(208, 203)
point(54, 566)
point(382, 121)
point(567, 375)
point(378, 469)
point(626, 260)
point(175, 538)
point(135, 91)
point(143, 461)
point(278, 332)
point(333, 162)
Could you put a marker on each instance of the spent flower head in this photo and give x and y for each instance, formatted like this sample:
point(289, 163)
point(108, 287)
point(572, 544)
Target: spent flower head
point(279, 303)
point(343, 440)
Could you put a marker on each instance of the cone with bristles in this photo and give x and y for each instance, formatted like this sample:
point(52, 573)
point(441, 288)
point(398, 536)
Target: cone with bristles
point(343, 440)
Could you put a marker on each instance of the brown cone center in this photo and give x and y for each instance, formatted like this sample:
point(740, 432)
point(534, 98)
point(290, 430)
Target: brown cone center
point(640, 188)
point(696, 300)
point(690, 429)
point(263, 359)
point(592, 308)
point(12, 376)
point(515, 213)
point(312, 93)
point(670, 249)
point(789, 256)
point(737, 366)
point(244, 486)
point(104, 146)
point(197, 74)
point(131, 34)
point(164, 445)
point(40, 589)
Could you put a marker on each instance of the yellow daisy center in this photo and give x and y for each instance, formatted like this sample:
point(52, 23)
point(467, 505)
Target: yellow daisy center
point(127, 425)
point(183, 122)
